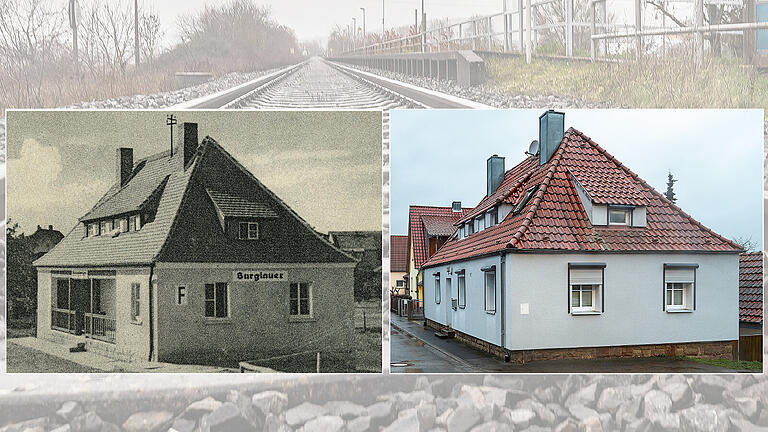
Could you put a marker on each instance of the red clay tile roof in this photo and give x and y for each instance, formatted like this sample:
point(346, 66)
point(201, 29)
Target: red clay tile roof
point(554, 218)
point(438, 226)
point(751, 287)
point(398, 253)
point(416, 228)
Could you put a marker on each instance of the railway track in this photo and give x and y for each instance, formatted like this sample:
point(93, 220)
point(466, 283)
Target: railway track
point(321, 84)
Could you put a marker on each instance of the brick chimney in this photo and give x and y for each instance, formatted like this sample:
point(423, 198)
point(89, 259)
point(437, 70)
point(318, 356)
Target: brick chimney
point(124, 165)
point(185, 142)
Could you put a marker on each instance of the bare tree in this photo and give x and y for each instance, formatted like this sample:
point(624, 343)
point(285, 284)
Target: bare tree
point(747, 242)
point(150, 34)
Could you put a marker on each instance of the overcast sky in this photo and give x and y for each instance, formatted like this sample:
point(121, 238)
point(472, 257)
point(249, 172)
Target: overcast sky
point(324, 165)
point(716, 155)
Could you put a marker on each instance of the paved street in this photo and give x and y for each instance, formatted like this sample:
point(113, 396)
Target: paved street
point(422, 351)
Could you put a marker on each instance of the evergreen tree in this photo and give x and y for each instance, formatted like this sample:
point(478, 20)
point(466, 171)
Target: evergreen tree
point(670, 193)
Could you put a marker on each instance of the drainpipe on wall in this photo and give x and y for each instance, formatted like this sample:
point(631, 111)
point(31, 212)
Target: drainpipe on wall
point(151, 315)
point(502, 272)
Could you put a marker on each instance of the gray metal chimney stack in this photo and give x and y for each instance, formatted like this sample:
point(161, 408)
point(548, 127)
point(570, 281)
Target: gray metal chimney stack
point(551, 131)
point(124, 165)
point(495, 173)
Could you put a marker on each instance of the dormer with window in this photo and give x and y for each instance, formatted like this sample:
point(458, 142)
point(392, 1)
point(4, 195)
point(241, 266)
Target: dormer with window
point(630, 212)
point(241, 217)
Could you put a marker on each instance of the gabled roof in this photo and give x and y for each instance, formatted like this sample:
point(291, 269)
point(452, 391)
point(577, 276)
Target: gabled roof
point(751, 287)
point(416, 229)
point(356, 240)
point(438, 226)
point(554, 218)
point(398, 253)
point(185, 227)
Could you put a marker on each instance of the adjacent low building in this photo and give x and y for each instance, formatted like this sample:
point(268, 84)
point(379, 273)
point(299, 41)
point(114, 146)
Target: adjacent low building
point(365, 246)
point(751, 294)
point(572, 255)
point(429, 227)
point(398, 264)
point(189, 258)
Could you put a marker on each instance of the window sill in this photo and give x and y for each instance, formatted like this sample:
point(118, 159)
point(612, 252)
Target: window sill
point(216, 321)
point(463, 307)
point(301, 319)
point(592, 312)
point(491, 312)
point(136, 322)
point(679, 310)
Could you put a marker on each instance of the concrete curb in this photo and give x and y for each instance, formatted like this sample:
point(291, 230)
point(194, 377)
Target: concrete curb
point(434, 347)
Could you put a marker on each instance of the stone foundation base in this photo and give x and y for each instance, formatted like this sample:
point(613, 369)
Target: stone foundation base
point(716, 349)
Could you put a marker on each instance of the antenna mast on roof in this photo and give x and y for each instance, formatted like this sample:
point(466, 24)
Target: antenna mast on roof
point(170, 120)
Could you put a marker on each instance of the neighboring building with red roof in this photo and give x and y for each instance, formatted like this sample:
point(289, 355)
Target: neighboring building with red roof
point(398, 263)
point(428, 229)
point(571, 254)
point(189, 258)
point(751, 293)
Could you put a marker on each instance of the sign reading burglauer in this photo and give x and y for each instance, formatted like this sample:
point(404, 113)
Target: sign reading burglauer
point(259, 276)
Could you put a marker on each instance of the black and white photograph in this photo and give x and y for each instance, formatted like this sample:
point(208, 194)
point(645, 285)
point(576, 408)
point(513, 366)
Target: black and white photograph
point(161, 241)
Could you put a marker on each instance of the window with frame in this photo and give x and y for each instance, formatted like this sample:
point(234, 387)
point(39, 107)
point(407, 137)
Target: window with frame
point(470, 227)
point(619, 216)
point(105, 227)
point(248, 231)
point(480, 223)
point(135, 302)
point(93, 230)
point(120, 224)
point(489, 277)
point(301, 299)
point(679, 287)
point(494, 216)
point(585, 287)
point(399, 283)
point(438, 294)
point(527, 197)
point(462, 290)
point(134, 223)
point(216, 300)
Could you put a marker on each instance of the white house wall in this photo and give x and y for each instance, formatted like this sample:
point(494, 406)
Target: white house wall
point(473, 319)
point(633, 302)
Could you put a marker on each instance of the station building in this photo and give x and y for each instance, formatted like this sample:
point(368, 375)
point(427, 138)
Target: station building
point(570, 254)
point(189, 258)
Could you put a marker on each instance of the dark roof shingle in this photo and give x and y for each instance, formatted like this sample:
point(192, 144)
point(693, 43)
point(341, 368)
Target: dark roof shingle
point(398, 253)
point(751, 287)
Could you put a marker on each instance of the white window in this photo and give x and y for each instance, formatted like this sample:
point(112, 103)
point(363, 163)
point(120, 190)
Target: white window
point(105, 227)
point(480, 223)
point(438, 294)
point(93, 230)
point(462, 300)
point(679, 286)
point(301, 299)
point(121, 224)
point(585, 288)
point(248, 231)
point(134, 223)
point(493, 214)
point(135, 302)
point(216, 300)
point(490, 290)
point(181, 295)
point(619, 216)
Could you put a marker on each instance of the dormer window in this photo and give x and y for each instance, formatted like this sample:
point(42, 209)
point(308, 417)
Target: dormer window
point(105, 227)
point(493, 215)
point(248, 231)
point(93, 229)
point(619, 216)
point(134, 223)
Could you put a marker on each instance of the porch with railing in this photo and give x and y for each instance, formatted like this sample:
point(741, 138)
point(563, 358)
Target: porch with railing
point(84, 307)
point(94, 326)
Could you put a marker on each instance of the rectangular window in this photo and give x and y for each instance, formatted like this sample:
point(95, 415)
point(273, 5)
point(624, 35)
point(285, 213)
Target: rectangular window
point(93, 230)
point(301, 299)
point(248, 231)
point(490, 290)
point(216, 300)
point(585, 287)
point(121, 224)
point(480, 224)
point(181, 295)
point(494, 214)
point(135, 301)
point(619, 216)
point(448, 290)
point(471, 227)
point(105, 227)
point(679, 287)
point(462, 291)
point(438, 294)
point(134, 223)
point(399, 283)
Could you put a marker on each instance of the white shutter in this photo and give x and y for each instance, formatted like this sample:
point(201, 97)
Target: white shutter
point(593, 276)
point(679, 275)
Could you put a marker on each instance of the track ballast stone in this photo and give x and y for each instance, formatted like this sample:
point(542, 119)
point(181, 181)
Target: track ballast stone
point(453, 404)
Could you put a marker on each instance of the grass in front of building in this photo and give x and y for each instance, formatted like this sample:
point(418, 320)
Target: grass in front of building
point(652, 83)
point(729, 364)
point(21, 359)
point(368, 336)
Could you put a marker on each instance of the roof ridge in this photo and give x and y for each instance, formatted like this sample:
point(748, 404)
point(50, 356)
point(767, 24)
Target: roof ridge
point(528, 219)
point(653, 190)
